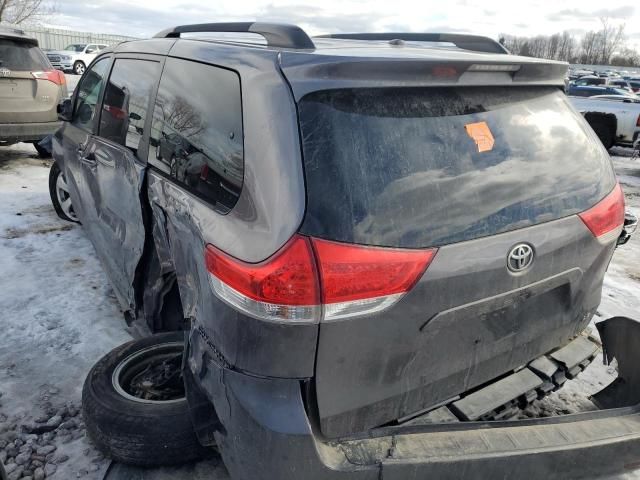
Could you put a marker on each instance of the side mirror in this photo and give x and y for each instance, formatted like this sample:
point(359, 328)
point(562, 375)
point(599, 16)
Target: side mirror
point(65, 111)
point(90, 50)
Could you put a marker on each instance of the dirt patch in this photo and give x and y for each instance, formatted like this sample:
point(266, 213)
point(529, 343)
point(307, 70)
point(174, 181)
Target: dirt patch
point(13, 233)
point(633, 275)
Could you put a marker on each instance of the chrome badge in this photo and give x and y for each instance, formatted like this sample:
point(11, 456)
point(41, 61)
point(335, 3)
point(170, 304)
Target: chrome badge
point(520, 257)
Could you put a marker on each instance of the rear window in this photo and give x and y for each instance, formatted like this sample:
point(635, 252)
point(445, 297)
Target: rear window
point(20, 56)
point(399, 167)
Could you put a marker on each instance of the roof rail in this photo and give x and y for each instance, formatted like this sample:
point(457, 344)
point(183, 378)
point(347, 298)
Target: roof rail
point(276, 34)
point(467, 42)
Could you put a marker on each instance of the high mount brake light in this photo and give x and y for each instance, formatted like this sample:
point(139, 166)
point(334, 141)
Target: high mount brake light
point(310, 280)
point(55, 76)
point(606, 217)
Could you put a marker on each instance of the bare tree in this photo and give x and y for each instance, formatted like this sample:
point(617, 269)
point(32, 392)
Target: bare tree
point(612, 37)
point(24, 11)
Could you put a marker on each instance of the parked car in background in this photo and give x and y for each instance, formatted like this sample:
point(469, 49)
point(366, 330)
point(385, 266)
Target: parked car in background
point(589, 80)
point(590, 91)
point(30, 90)
point(620, 83)
point(635, 85)
point(614, 118)
point(75, 58)
point(360, 247)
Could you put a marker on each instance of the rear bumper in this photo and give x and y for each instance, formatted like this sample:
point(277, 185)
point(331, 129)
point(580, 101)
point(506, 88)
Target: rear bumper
point(264, 432)
point(27, 132)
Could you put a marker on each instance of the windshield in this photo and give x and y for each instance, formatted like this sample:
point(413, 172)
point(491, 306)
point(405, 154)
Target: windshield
point(427, 167)
point(79, 47)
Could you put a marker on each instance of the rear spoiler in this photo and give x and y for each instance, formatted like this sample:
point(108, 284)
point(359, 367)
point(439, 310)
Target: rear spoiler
point(393, 68)
point(11, 33)
point(475, 43)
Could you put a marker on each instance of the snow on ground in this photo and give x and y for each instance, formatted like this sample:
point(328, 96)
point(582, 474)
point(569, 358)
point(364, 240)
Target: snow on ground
point(59, 315)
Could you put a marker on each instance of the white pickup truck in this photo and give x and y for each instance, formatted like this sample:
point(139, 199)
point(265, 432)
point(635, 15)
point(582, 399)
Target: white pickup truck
point(76, 57)
point(615, 119)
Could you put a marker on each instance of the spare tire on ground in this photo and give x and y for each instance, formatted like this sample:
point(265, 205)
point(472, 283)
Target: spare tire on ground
point(134, 405)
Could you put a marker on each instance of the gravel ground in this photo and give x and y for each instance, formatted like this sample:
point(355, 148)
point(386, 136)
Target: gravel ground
point(60, 315)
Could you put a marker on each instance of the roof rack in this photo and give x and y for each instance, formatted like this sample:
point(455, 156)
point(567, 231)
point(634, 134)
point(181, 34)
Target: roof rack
point(467, 42)
point(276, 34)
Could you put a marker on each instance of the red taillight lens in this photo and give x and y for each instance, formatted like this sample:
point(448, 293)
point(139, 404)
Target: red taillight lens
point(606, 216)
point(638, 121)
point(333, 280)
point(55, 76)
point(284, 287)
point(356, 278)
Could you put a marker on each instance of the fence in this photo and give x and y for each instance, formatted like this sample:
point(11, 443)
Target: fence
point(57, 38)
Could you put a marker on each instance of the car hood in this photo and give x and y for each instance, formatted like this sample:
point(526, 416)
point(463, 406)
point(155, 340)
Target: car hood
point(61, 52)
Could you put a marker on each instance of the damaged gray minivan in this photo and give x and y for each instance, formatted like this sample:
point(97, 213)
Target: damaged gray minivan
point(379, 246)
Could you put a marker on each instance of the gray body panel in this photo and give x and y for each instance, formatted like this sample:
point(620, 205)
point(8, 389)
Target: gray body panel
point(378, 368)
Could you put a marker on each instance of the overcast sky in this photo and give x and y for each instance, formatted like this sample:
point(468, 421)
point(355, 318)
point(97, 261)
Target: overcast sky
point(488, 17)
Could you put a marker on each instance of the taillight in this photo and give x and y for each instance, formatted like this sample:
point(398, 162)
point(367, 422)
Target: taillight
point(311, 279)
point(638, 121)
point(55, 76)
point(356, 279)
point(283, 287)
point(606, 217)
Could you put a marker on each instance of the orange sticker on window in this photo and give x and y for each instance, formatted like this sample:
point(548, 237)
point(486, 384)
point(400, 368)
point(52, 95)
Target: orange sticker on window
point(480, 134)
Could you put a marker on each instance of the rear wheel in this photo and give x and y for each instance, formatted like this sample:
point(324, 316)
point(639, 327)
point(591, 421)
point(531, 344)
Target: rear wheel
point(79, 67)
point(59, 192)
point(134, 404)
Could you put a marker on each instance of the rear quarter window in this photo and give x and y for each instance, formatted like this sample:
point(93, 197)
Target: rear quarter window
point(398, 167)
point(196, 134)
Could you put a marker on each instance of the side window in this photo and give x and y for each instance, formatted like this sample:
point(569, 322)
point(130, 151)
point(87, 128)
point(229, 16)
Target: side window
point(126, 101)
point(196, 132)
point(89, 93)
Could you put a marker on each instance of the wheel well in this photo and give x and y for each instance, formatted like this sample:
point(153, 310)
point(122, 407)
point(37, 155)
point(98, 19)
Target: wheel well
point(606, 119)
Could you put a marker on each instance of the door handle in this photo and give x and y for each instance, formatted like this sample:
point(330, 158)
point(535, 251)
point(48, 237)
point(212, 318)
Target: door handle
point(89, 158)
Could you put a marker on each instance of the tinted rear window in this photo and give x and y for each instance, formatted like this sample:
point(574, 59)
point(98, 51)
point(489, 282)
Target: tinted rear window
point(397, 167)
point(21, 57)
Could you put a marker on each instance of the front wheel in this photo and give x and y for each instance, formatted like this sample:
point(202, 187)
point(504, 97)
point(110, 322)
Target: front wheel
point(134, 404)
point(78, 67)
point(59, 192)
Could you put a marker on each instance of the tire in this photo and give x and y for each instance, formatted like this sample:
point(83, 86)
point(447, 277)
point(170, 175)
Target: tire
point(133, 430)
point(604, 133)
point(42, 152)
point(79, 67)
point(59, 193)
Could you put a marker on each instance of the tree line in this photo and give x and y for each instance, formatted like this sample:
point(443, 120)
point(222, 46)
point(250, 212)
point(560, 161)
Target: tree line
point(606, 46)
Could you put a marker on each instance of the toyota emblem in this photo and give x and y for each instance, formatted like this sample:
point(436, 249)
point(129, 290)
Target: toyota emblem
point(520, 257)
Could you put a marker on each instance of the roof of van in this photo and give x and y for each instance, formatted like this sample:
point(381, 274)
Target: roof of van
point(363, 59)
